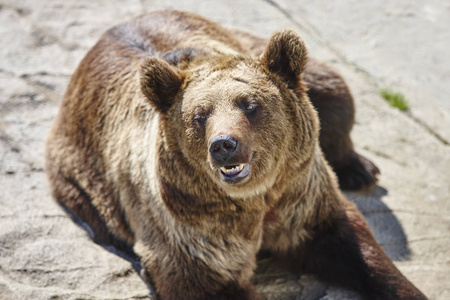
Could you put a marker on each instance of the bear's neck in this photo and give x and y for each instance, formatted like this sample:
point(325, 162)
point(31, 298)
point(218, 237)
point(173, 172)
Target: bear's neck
point(311, 185)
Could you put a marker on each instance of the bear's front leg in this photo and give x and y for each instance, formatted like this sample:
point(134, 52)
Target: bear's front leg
point(343, 251)
point(190, 271)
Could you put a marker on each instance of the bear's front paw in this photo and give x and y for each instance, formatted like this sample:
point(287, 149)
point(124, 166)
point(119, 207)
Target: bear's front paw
point(357, 174)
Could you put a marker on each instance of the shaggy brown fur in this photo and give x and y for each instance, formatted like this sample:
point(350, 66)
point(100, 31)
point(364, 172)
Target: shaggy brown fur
point(334, 103)
point(152, 123)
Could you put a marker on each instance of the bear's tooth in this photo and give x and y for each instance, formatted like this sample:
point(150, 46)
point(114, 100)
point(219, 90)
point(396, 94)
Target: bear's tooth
point(234, 169)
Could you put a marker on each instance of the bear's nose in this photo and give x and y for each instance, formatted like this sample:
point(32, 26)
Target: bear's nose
point(223, 147)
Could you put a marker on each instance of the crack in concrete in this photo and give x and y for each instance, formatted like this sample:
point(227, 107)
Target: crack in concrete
point(19, 10)
point(45, 73)
point(6, 139)
point(47, 91)
point(7, 72)
point(427, 128)
point(433, 238)
point(409, 241)
point(30, 101)
point(396, 211)
point(40, 33)
point(317, 36)
point(39, 73)
point(385, 156)
point(45, 271)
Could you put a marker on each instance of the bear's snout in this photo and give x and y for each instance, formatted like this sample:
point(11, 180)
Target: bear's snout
point(232, 165)
point(223, 148)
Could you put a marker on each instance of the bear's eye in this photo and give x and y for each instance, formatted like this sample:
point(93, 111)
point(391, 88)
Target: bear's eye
point(200, 118)
point(249, 107)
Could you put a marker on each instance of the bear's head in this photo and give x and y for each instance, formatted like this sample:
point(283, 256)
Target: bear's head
point(242, 121)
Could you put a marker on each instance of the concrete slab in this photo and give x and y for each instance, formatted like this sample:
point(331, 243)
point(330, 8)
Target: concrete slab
point(403, 46)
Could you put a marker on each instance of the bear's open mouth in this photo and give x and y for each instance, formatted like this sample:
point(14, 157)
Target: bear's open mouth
point(234, 173)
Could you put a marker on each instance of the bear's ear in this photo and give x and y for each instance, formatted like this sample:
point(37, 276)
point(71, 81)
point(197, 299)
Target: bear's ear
point(285, 55)
point(160, 82)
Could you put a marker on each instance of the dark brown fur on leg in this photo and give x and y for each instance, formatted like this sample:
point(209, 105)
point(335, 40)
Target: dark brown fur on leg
point(77, 203)
point(331, 97)
point(345, 253)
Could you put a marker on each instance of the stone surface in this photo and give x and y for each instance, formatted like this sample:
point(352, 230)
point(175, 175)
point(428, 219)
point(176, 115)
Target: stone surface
point(383, 44)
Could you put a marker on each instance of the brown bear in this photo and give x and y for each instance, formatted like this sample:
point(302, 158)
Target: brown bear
point(193, 147)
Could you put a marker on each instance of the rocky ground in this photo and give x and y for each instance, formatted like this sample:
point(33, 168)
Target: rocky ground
point(383, 44)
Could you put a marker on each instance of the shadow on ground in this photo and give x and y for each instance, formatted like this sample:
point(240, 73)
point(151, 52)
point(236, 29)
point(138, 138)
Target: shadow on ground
point(384, 224)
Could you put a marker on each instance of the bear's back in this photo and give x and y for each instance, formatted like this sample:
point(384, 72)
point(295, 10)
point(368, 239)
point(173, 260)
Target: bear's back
point(158, 32)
